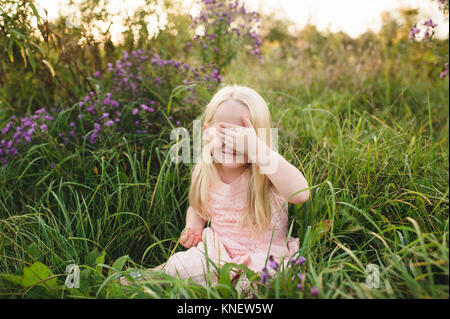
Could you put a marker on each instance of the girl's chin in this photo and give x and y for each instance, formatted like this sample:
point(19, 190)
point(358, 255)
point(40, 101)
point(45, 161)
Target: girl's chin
point(233, 165)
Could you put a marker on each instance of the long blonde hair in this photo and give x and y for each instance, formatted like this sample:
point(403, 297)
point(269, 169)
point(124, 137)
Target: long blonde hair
point(257, 205)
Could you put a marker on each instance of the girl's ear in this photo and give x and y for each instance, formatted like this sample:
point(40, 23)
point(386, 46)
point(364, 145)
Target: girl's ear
point(204, 127)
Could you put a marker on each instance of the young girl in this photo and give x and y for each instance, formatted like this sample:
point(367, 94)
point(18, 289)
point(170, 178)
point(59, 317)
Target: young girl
point(240, 186)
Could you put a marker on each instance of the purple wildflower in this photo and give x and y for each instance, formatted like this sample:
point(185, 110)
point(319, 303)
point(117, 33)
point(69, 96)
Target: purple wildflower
point(413, 31)
point(429, 23)
point(314, 291)
point(301, 260)
point(264, 275)
point(273, 263)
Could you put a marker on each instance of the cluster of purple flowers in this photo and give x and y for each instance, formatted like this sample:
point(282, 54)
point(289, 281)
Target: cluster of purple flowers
point(128, 73)
point(137, 76)
point(221, 21)
point(19, 132)
point(429, 30)
point(101, 113)
point(131, 77)
point(99, 109)
point(428, 34)
point(295, 263)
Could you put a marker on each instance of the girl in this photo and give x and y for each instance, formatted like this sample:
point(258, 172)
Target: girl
point(239, 186)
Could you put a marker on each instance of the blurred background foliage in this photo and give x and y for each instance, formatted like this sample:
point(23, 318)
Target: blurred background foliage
point(51, 64)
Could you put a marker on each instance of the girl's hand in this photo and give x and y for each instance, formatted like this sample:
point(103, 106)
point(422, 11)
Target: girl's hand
point(190, 237)
point(212, 137)
point(242, 139)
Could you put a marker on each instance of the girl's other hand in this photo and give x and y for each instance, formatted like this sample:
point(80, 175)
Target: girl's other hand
point(190, 237)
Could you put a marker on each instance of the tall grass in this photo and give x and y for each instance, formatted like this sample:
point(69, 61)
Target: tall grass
point(376, 183)
point(366, 126)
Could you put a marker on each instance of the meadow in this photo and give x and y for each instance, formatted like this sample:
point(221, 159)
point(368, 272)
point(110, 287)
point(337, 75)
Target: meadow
point(86, 177)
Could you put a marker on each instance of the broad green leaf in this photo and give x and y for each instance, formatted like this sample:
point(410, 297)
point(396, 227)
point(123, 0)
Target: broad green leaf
point(118, 264)
point(37, 273)
point(91, 258)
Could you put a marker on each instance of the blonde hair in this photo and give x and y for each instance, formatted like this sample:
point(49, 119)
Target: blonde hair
point(257, 205)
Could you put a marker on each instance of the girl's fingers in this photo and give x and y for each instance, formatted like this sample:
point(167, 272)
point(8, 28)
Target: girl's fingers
point(190, 240)
point(185, 236)
point(229, 142)
point(183, 240)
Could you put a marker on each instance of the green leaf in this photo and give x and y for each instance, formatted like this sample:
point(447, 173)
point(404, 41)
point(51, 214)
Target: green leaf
point(22, 52)
point(118, 264)
point(224, 280)
point(10, 52)
point(38, 273)
point(33, 8)
point(91, 258)
point(31, 59)
point(100, 260)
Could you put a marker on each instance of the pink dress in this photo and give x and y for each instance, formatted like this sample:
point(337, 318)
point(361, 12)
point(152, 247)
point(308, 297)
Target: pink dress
point(225, 242)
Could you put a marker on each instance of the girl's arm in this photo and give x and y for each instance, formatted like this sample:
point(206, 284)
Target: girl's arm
point(193, 220)
point(286, 178)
